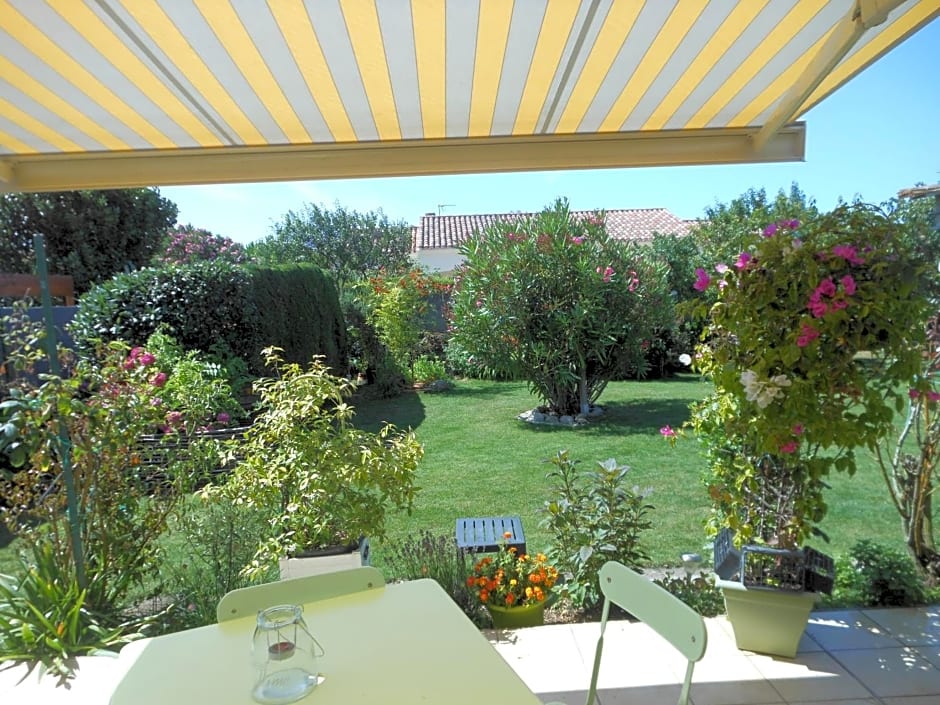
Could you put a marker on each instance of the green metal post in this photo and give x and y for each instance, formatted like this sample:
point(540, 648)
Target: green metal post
point(65, 445)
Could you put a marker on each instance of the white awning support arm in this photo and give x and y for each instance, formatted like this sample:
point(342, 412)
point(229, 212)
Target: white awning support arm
point(864, 15)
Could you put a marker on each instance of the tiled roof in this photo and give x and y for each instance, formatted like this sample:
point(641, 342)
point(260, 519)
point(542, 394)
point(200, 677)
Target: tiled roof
point(636, 224)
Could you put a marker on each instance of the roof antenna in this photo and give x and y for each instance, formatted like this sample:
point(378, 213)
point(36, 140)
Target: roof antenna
point(442, 206)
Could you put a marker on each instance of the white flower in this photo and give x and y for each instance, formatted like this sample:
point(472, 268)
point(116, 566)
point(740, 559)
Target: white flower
point(762, 393)
point(685, 359)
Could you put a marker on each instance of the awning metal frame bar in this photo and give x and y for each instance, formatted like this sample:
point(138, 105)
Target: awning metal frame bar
point(864, 15)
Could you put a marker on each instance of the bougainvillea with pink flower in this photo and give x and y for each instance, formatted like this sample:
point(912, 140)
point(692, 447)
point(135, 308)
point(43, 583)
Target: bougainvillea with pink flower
point(811, 344)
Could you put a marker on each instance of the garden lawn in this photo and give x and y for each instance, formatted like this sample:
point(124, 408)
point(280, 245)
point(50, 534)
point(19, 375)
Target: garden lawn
point(481, 461)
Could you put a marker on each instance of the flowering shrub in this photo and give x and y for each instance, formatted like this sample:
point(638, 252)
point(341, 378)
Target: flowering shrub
point(187, 245)
point(811, 345)
point(554, 300)
point(511, 580)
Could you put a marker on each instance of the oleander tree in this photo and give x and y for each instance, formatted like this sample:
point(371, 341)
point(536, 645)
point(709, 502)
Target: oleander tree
point(186, 244)
point(556, 301)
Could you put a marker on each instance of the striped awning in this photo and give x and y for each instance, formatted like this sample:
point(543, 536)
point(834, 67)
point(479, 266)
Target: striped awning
point(111, 93)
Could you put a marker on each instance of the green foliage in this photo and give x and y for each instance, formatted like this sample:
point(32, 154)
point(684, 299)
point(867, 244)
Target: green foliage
point(792, 400)
point(301, 315)
point(593, 518)
point(428, 370)
point(199, 305)
point(209, 542)
point(194, 392)
point(698, 592)
point(877, 575)
point(369, 355)
point(435, 556)
point(218, 309)
point(556, 301)
point(317, 480)
point(728, 228)
point(102, 411)
point(347, 244)
point(90, 235)
point(45, 617)
point(188, 245)
point(397, 307)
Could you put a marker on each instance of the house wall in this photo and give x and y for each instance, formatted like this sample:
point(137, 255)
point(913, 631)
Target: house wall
point(442, 259)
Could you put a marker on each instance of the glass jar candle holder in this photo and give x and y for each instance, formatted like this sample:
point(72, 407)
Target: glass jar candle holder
point(284, 655)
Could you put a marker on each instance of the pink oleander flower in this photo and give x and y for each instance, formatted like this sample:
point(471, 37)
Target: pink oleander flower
point(147, 359)
point(159, 379)
point(135, 353)
point(913, 394)
point(577, 240)
point(793, 223)
point(634, 282)
point(222, 417)
point(789, 447)
point(174, 418)
point(743, 260)
point(667, 431)
point(817, 308)
point(721, 267)
point(770, 230)
point(702, 280)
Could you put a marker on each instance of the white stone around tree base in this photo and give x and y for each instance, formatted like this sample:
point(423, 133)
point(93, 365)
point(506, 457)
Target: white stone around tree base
point(550, 418)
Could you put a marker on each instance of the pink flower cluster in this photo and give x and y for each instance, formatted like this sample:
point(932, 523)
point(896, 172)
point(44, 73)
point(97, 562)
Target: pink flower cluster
point(848, 253)
point(793, 444)
point(916, 394)
point(774, 228)
point(578, 240)
point(827, 289)
point(702, 280)
point(606, 273)
point(138, 357)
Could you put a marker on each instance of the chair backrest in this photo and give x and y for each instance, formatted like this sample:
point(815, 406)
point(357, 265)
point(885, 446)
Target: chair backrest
point(667, 615)
point(249, 600)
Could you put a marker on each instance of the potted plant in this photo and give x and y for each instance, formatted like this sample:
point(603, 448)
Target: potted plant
point(323, 484)
point(811, 343)
point(514, 588)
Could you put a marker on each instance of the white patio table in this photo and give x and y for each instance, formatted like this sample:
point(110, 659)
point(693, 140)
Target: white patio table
point(405, 643)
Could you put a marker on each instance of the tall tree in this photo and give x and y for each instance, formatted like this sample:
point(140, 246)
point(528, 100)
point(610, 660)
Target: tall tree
point(348, 244)
point(90, 235)
point(726, 228)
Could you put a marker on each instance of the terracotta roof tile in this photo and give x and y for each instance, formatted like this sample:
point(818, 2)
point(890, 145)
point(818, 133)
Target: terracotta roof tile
point(636, 224)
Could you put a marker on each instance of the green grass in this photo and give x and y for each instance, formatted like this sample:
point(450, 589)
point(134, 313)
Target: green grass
point(479, 460)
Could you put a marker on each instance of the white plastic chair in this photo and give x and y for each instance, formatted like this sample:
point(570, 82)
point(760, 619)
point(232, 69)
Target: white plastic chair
point(666, 614)
point(249, 600)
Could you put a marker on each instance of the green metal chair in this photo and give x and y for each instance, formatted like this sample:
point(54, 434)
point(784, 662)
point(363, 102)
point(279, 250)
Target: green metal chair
point(668, 616)
point(249, 600)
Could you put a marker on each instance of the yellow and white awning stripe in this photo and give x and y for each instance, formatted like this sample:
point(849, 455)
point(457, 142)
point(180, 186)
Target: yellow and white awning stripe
point(106, 93)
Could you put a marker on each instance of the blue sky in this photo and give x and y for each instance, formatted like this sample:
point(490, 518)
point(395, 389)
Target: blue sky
point(876, 135)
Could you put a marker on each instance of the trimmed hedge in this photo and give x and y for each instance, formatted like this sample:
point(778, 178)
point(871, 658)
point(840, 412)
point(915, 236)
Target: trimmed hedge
point(301, 314)
point(217, 307)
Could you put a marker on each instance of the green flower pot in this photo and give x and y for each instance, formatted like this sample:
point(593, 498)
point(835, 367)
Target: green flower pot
point(767, 621)
point(517, 617)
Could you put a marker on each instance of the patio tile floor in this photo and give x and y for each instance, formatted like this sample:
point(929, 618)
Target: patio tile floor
point(887, 656)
